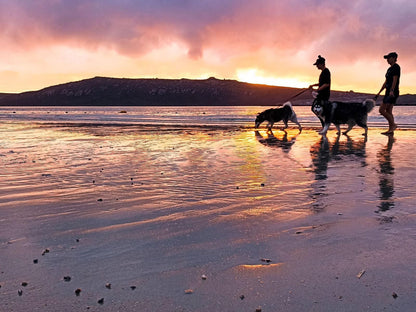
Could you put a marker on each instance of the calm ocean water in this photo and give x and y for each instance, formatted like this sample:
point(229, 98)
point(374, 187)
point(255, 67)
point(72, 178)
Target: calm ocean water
point(177, 115)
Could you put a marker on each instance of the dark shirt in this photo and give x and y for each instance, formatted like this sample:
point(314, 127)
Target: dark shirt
point(394, 70)
point(324, 77)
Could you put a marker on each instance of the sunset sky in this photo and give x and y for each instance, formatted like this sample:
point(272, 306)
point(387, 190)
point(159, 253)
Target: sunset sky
point(47, 42)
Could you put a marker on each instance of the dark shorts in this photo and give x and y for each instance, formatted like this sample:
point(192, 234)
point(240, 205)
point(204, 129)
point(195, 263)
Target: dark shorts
point(390, 99)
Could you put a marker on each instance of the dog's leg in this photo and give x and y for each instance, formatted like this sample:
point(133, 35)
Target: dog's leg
point(325, 129)
point(338, 129)
point(285, 120)
point(286, 125)
point(350, 125)
point(363, 125)
point(294, 119)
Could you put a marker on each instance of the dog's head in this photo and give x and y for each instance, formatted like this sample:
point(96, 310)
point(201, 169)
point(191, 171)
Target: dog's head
point(317, 108)
point(259, 119)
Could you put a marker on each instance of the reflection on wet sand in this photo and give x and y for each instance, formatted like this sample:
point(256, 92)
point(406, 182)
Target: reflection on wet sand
point(386, 181)
point(282, 141)
point(323, 152)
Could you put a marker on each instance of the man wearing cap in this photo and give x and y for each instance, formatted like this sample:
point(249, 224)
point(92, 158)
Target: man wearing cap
point(324, 84)
point(391, 84)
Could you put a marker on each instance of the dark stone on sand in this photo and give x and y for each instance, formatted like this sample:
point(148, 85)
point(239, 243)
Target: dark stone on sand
point(20, 292)
point(265, 260)
point(101, 301)
point(67, 278)
point(35, 261)
point(77, 291)
point(242, 297)
point(45, 251)
point(24, 284)
point(77, 240)
point(262, 184)
point(394, 295)
point(132, 287)
point(100, 199)
point(108, 285)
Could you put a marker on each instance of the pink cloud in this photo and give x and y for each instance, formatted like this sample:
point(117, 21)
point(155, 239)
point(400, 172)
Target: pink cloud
point(267, 34)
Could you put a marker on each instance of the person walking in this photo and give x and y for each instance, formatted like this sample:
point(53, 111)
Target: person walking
point(391, 84)
point(324, 84)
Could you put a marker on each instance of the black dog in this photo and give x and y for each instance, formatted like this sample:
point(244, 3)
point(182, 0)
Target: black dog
point(351, 113)
point(272, 115)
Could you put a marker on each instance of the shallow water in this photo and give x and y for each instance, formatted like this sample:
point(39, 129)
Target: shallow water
point(144, 200)
point(177, 115)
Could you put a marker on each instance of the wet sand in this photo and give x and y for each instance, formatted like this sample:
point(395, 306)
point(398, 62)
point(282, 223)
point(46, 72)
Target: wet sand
point(205, 219)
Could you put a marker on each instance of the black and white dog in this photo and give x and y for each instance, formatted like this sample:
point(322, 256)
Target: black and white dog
point(350, 113)
point(272, 115)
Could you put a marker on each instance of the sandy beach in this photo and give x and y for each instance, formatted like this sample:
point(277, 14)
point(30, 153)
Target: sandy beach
point(164, 218)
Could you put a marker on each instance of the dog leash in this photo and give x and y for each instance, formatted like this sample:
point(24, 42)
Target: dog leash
point(296, 95)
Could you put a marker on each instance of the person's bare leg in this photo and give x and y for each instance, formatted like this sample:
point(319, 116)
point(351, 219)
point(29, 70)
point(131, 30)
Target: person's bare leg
point(386, 110)
point(392, 125)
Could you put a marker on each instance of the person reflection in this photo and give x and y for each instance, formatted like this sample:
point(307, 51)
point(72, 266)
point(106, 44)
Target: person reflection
point(386, 182)
point(284, 142)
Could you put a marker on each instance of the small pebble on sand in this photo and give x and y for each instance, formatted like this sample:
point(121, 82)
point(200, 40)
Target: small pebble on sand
point(77, 291)
point(101, 301)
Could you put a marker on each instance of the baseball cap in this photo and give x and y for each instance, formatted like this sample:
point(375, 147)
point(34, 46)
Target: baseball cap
point(391, 54)
point(319, 60)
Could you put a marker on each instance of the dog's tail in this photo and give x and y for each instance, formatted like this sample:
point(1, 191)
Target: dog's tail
point(288, 103)
point(369, 103)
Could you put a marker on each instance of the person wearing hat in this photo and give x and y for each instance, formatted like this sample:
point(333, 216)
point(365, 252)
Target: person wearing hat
point(324, 84)
point(391, 84)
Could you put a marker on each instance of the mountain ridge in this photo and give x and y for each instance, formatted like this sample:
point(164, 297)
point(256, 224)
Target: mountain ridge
point(108, 91)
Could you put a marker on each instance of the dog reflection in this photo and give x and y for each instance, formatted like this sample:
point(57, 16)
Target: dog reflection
point(284, 142)
point(386, 182)
point(323, 152)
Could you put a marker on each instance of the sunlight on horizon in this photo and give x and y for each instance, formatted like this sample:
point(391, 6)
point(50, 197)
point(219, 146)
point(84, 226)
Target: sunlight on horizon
point(253, 75)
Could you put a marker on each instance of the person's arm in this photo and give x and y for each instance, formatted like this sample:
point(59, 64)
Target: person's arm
point(313, 85)
point(382, 88)
point(324, 86)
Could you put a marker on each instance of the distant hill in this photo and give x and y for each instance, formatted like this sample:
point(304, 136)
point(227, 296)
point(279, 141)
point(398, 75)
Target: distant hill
point(104, 91)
